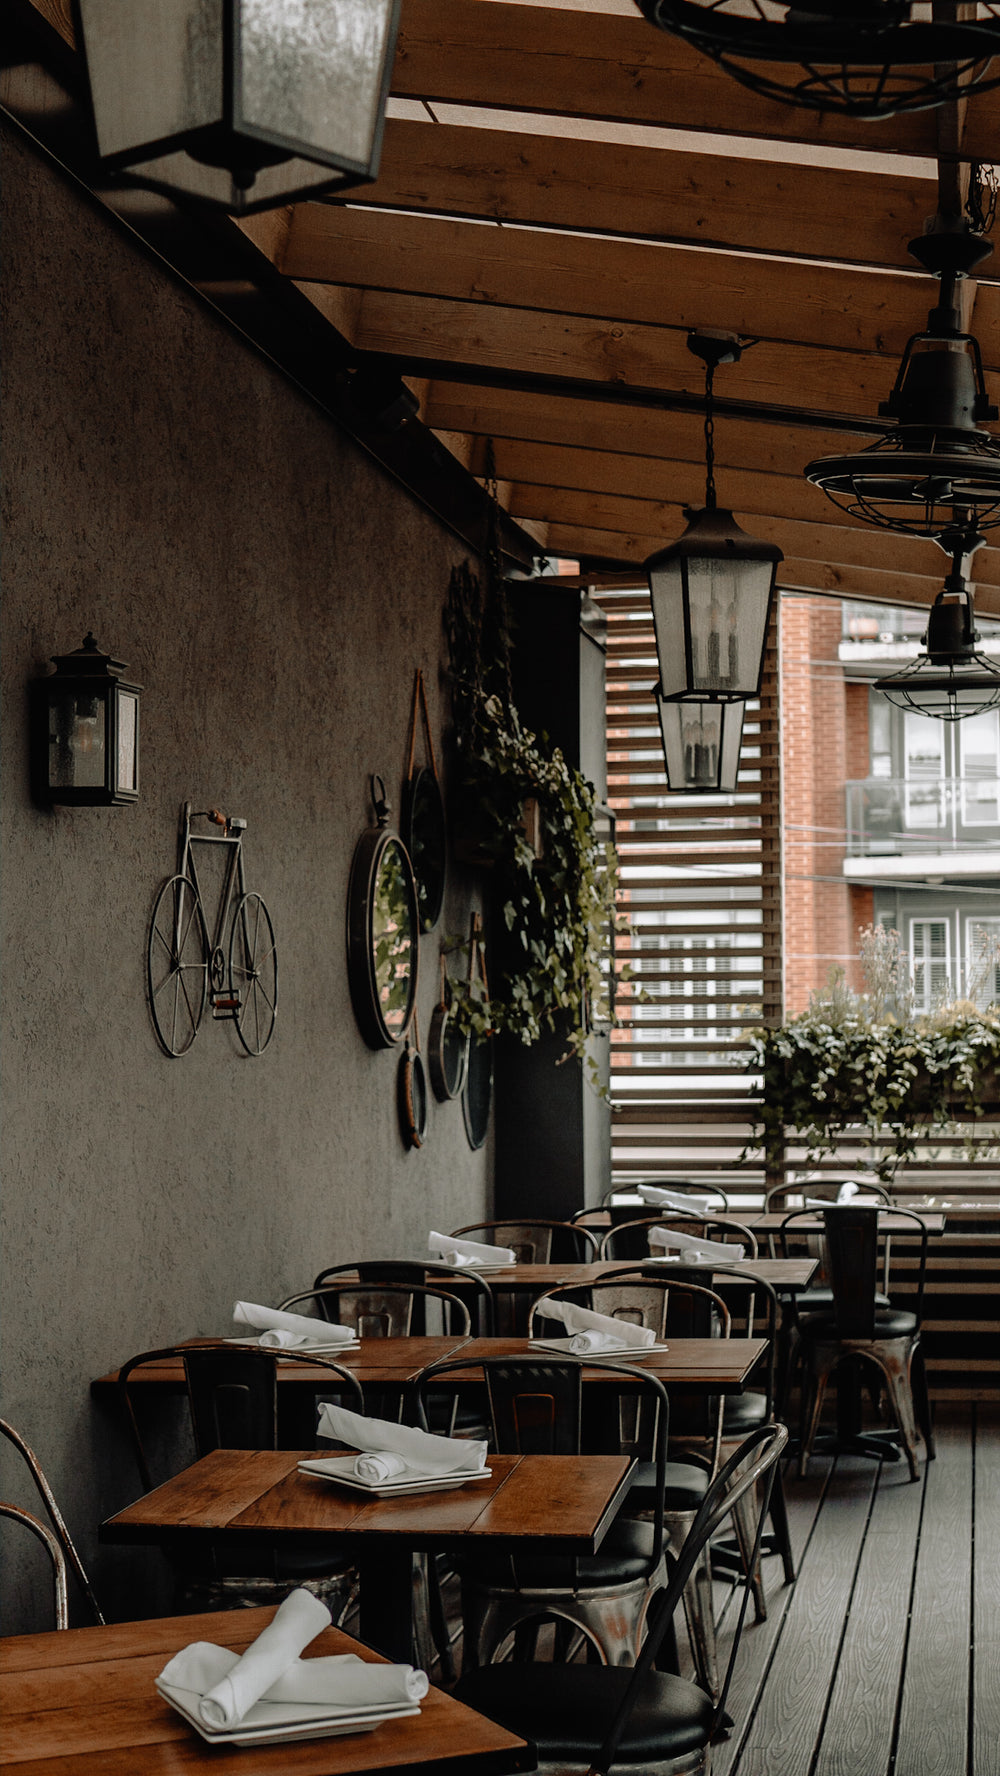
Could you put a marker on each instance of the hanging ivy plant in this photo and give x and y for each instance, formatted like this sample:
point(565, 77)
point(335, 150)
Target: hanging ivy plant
point(533, 818)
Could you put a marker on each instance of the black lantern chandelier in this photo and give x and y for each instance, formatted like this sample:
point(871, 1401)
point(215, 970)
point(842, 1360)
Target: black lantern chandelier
point(862, 58)
point(950, 680)
point(935, 470)
point(712, 592)
point(243, 103)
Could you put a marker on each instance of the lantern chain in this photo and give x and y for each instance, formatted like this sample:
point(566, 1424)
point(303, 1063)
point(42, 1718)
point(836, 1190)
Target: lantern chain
point(709, 439)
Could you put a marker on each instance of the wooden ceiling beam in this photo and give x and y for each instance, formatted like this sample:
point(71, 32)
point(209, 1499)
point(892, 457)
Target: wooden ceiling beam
point(705, 199)
point(835, 306)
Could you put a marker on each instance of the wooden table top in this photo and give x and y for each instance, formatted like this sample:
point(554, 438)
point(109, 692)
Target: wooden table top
point(82, 1703)
point(783, 1273)
point(687, 1365)
point(889, 1221)
point(378, 1361)
point(561, 1503)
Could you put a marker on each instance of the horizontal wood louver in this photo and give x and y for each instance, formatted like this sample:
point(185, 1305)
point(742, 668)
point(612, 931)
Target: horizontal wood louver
point(700, 880)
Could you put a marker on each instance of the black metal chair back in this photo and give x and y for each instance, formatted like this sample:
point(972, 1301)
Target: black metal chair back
point(473, 1289)
point(792, 1196)
point(535, 1240)
point(379, 1309)
point(858, 1246)
point(630, 1239)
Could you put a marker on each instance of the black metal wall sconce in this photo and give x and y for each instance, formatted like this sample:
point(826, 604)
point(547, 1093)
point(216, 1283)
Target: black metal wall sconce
point(85, 731)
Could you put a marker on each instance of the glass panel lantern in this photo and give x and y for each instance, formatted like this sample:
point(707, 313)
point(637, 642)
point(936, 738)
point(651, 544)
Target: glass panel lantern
point(85, 739)
point(701, 744)
point(711, 593)
point(244, 103)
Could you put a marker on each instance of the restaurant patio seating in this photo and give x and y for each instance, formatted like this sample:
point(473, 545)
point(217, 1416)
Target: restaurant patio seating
point(536, 1240)
point(536, 1408)
point(857, 1327)
point(57, 1522)
point(232, 1394)
point(592, 1719)
point(630, 1239)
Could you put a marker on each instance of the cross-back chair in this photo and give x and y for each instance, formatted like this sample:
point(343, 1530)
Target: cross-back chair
point(584, 1718)
point(232, 1398)
point(861, 1327)
point(536, 1407)
point(629, 1240)
point(57, 1522)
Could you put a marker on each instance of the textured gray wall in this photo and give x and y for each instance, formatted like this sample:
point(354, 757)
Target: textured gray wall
point(273, 592)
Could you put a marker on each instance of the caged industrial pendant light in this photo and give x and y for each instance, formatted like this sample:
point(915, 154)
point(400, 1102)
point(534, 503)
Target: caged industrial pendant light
point(712, 592)
point(951, 679)
point(935, 469)
point(861, 58)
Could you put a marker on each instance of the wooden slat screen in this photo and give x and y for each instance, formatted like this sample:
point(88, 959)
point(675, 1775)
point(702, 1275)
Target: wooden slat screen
point(701, 886)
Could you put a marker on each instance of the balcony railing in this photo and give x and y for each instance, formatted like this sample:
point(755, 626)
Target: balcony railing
point(889, 816)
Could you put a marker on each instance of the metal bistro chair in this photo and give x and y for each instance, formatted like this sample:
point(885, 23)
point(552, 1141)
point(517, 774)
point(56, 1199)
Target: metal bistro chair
point(677, 1309)
point(50, 1543)
point(57, 1523)
point(232, 1394)
point(585, 1718)
point(630, 1239)
point(469, 1285)
point(856, 1328)
point(536, 1408)
point(537, 1241)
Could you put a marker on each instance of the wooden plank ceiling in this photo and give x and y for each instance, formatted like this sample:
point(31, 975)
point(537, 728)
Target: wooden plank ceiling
point(564, 193)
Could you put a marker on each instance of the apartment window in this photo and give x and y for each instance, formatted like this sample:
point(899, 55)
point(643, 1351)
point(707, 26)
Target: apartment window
point(979, 754)
point(923, 756)
point(930, 961)
point(982, 961)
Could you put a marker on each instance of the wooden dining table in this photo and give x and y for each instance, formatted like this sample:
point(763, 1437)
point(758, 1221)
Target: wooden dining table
point(82, 1703)
point(559, 1504)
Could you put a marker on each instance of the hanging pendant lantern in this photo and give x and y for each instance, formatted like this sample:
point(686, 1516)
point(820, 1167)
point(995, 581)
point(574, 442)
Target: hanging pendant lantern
point(861, 58)
point(246, 104)
point(951, 679)
point(935, 470)
point(701, 744)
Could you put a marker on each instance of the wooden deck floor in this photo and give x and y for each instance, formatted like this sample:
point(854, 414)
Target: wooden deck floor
point(883, 1657)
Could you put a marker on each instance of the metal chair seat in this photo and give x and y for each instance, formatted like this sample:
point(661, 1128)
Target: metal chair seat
point(890, 1322)
point(623, 1558)
point(565, 1711)
point(684, 1489)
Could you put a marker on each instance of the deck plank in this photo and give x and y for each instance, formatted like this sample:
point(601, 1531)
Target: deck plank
point(986, 1618)
point(933, 1725)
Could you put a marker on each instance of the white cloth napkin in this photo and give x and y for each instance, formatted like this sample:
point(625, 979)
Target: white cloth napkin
point(675, 1199)
point(344, 1680)
point(388, 1449)
point(449, 1250)
point(699, 1251)
point(285, 1331)
point(230, 1693)
point(582, 1321)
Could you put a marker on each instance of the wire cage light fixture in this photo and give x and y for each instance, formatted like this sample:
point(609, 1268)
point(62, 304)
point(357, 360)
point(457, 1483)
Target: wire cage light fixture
point(935, 469)
point(951, 679)
point(861, 58)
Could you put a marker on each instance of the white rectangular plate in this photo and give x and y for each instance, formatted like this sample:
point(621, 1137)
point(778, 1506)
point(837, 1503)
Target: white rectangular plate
point(618, 1356)
point(281, 1723)
point(300, 1350)
point(340, 1469)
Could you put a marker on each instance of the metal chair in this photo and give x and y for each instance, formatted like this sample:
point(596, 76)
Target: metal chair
point(384, 1310)
point(232, 1395)
point(51, 1545)
point(537, 1241)
point(792, 1196)
point(56, 1520)
point(584, 1718)
point(536, 1407)
point(857, 1328)
point(630, 1239)
point(678, 1309)
point(469, 1285)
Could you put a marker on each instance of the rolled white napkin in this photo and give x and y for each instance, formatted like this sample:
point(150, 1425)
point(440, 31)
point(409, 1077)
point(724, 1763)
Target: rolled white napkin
point(582, 1320)
point(230, 1693)
point(418, 1451)
point(343, 1680)
point(449, 1250)
point(296, 1330)
point(583, 1342)
point(699, 1251)
point(675, 1199)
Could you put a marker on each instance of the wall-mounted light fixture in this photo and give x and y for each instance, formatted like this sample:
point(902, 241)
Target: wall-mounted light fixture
point(701, 744)
point(244, 103)
point(85, 731)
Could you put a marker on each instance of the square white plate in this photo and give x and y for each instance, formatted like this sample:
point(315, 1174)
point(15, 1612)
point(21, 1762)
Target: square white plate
point(340, 1469)
point(281, 1723)
point(300, 1350)
point(618, 1356)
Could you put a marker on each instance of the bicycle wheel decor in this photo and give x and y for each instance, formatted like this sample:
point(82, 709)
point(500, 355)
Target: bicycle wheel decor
point(253, 973)
point(177, 963)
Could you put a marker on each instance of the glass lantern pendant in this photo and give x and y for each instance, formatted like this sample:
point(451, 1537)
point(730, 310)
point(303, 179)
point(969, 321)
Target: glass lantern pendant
point(85, 731)
point(701, 744)
point(246, 104)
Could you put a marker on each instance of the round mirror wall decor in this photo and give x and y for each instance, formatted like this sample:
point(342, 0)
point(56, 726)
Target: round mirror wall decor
point(423, 823)
point(411, 1086)
point(382, 931)
point(447, 1047)
point(477, 1096)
